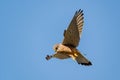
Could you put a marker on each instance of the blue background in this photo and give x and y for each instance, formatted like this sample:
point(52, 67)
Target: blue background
point(30, 28)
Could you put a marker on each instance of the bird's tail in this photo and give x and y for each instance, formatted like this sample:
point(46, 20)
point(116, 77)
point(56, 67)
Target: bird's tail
point(82, 60)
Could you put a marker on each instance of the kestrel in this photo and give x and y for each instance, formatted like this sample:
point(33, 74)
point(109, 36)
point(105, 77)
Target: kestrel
point(67, 49)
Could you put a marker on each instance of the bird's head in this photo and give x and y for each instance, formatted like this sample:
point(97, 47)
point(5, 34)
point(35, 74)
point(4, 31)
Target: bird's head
point(55, 47)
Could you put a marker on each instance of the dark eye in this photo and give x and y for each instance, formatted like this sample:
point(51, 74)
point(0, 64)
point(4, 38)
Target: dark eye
point(56, 48)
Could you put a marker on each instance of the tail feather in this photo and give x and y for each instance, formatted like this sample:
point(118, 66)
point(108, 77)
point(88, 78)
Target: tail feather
point(82, 60)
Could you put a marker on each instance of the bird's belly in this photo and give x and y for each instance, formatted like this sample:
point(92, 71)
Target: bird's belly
point(62, 55)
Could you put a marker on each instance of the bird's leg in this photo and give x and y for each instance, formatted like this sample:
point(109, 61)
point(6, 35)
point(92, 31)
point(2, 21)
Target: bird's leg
point(72, 56)
point(48, 57)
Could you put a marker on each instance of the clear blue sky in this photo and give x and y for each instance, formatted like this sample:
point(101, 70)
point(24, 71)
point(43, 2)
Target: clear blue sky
point(30, 28)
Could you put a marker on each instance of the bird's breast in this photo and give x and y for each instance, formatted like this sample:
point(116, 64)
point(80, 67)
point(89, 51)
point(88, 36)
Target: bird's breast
point(63, 48)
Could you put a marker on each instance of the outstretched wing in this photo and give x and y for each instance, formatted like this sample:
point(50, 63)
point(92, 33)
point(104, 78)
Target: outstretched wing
point(72, 34)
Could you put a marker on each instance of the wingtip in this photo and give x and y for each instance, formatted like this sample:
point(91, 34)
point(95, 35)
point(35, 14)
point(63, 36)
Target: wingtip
point(80, 11)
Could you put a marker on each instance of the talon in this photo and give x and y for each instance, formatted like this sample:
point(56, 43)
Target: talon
point(48, 57)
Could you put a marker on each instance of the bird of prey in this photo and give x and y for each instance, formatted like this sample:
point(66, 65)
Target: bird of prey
point(67, 49)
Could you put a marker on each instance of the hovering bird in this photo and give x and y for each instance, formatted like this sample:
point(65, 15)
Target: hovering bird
point(67, 49)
